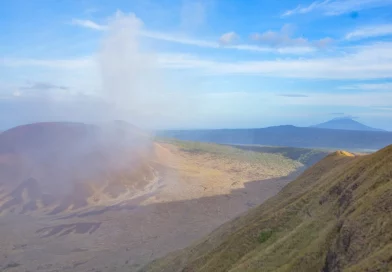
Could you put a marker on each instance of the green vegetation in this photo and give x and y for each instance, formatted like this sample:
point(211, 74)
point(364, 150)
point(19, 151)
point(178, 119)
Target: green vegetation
point(337, 216)
point(265, 235)
point(289, 156)
point(306, 156)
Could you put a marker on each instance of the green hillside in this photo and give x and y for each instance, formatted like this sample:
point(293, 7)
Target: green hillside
point(337, 216)
point(293, 156)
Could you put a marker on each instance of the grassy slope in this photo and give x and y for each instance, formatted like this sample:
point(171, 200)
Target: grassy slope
point(289, 156)
point(306, 156)
point(337, 216)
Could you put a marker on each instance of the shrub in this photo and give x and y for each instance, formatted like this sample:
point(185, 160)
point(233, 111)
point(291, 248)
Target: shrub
point(265, 235)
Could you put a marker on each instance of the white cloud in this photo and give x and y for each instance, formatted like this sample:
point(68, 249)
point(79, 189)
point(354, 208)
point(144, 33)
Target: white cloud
point(44, 90)
point(333, 98)
point(179, 39)
point(168, 37)
point(369, 87)
point(43, 86)
point(88, 24)
point(284, 38)
point(337, 7)
point(293, 95)
point(366, 62)
point(193, 14)
point(294, 50)
point(383, 108)
point(90, 11)
point(325, 42)
point(370, 32)
point(301, 10)
point(228, 38)
point(373, 61)
point(83, 62)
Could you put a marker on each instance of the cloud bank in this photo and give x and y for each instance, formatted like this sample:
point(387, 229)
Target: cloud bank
point(337, 7)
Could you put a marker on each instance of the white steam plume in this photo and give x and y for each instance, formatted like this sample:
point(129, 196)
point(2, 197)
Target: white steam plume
point(130, 75)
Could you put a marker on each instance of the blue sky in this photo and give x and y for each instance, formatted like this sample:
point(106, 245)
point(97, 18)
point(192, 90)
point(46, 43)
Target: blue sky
point(196, 64)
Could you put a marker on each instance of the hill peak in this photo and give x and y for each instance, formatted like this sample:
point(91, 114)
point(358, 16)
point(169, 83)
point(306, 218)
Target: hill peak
point(345, 123)
point(342, 153)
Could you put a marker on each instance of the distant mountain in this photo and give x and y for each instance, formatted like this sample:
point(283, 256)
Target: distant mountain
point(346, 124)
point(289, 136)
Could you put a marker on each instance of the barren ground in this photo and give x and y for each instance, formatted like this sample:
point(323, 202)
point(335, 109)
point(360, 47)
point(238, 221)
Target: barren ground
point(194, 193)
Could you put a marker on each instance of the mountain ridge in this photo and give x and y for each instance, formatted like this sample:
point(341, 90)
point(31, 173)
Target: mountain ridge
point(288, 135)
point(345, 124)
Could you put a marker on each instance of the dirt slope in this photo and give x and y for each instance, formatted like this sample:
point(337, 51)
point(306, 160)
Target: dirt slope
point(337, 216)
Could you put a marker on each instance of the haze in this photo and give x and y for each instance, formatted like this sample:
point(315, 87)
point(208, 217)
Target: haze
point(182, 64)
